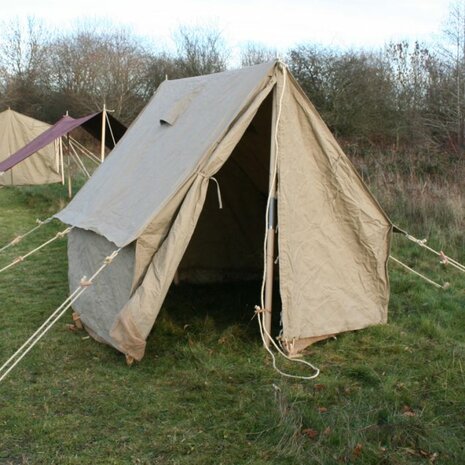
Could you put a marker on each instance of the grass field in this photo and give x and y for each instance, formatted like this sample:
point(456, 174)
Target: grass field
point(206, 392)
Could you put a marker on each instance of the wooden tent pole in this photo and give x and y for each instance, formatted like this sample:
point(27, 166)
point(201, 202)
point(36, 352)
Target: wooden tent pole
point(102, 144)
point(62, 163)
point(271, 223)
point(70, 187)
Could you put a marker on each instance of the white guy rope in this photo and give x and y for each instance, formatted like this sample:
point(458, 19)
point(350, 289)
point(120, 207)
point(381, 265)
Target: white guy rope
point(78, 161)
point(261, 311)
point(52, 319)
point(445, 286)
point(111, 130)
point(85, 151)
point(444, 258)
point(41, 246)
point(19, 238)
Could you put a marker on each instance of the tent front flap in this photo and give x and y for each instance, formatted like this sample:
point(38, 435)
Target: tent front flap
point(136, 319)
point(333, 236)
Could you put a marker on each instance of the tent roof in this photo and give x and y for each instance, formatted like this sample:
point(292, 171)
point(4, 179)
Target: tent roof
point(179, 127)
point(66, 124)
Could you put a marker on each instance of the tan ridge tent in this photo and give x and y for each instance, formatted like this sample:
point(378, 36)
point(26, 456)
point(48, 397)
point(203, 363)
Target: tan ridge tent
point(160, 206)
point(17, 130)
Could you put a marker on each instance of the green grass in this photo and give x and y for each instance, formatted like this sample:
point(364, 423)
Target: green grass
point(206, 393)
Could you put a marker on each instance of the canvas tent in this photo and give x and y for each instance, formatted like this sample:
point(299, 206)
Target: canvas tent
point(17, 130)
point(160, 206)
point(91, 123)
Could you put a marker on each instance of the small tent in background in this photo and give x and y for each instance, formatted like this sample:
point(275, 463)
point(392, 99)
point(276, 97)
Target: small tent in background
point(17, 130)
point(97, 124)
point(154, 198)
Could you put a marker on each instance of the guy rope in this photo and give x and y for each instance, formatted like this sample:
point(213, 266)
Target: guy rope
point(20, 259)
point(445, 260)
point(53, 318)
point(20, 237)
point(435, 284)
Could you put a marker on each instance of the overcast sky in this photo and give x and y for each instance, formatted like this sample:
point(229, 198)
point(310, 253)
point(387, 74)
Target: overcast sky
point(277, 24)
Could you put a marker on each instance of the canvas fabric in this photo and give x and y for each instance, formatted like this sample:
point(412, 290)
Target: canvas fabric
point(155, 195)
point(333, 236)
point(16, 131)
point(99, 305)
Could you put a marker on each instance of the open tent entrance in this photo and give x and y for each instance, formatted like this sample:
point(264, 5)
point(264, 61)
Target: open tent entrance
point(227, 244)
point(333, 236)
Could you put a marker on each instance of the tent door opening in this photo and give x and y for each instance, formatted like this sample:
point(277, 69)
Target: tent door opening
point(227, 244)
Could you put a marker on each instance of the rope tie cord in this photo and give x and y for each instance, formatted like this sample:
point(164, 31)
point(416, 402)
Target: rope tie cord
point(52, 319)
point(109, 126)
point(260, 310)
point(261, 323)
point(20, 237)
point(444, 259)
point(17, 260)
point(218, 191)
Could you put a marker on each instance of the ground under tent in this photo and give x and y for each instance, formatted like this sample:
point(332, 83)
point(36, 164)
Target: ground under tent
point(212, 140)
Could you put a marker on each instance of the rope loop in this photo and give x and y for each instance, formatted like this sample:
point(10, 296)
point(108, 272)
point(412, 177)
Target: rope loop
point(444, 259)
point(84, 282)
point(16, 240)
point(110, 258)
point(63, 233)
point(258, 310)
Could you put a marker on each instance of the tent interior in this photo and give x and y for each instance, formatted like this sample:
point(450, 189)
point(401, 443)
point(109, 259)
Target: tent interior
point(227, 244)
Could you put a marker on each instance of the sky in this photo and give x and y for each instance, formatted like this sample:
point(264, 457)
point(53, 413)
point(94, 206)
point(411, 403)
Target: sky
point(276, 24)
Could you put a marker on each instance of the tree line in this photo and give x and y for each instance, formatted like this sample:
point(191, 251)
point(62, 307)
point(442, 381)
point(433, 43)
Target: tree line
point(404, 95)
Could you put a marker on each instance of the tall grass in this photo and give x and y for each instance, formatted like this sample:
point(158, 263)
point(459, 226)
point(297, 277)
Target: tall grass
point(423, 194)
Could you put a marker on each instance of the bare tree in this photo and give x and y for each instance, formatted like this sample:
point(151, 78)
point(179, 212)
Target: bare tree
point(25, 64)
point(200, 50)
point(254, 54)
point(98, 65)
point(453, 51)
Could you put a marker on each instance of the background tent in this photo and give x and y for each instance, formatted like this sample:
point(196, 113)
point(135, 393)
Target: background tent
point(159, 205)
point(17, 130)
point(91, 123)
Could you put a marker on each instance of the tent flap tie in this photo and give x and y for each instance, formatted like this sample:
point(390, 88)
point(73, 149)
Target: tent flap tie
point(218, 191)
